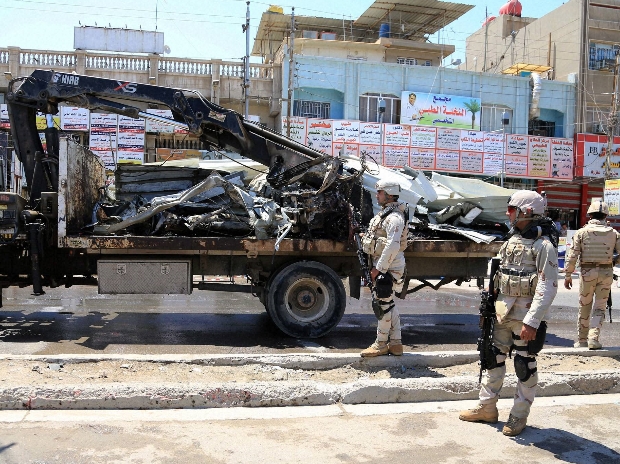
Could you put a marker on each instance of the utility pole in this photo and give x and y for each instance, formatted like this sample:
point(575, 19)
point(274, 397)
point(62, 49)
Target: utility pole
point(612, 121)
point(291, 67)
point(246, 76)
point(486, 34)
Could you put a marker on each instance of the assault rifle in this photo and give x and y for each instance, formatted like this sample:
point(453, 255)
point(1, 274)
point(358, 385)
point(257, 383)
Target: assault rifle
point(363, 259)
point(487, 323)
point(613, 264)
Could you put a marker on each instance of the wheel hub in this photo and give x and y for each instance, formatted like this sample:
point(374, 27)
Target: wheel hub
point(306, 299)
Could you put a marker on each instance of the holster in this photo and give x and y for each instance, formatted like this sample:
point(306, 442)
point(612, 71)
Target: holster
point(534, 346)
point(376, 308)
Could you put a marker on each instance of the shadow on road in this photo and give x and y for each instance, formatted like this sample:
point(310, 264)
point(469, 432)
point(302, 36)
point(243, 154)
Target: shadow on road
point(567, 446)
point(97, 330)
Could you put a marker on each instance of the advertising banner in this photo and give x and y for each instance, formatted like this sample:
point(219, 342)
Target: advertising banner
point(102, 140)
point(592, 155)
point(446, 150)
point(130, 142)
point(160, 127)
point(74, 118)
point(438, 110)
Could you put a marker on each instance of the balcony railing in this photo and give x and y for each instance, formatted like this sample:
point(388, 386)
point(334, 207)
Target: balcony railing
point(130, 63)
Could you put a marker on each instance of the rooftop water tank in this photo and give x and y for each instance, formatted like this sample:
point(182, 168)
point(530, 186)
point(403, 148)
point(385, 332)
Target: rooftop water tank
point(512, 8)
point(384, 31)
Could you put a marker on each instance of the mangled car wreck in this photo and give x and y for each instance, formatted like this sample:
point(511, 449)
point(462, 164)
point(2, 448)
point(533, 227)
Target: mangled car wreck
point(289, 230)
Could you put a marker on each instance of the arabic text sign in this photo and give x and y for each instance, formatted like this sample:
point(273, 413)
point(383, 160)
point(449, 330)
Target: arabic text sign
point(423, 137)
point(346, 131)
point(157, 126)
point(435, 148)
point(612, 196)
point(320, 133)
point(130, 142)
point(438, 110)
point(592, 155)
point(298, 128)
point(370, 132)
point(74, 118)
point(396, 135)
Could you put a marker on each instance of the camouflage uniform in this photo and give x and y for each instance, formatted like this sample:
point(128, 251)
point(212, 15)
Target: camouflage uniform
point(385, 242)
point(594, 245)
point(527, 283)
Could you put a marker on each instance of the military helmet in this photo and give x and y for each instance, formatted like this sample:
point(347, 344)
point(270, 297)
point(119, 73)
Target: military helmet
point(598, 206)
point(524, 199)
point(391, 187)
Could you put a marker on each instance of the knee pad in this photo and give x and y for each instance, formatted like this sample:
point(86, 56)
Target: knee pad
point(521, 367)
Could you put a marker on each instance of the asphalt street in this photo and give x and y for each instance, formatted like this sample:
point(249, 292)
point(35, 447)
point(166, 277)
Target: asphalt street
point(78, 320)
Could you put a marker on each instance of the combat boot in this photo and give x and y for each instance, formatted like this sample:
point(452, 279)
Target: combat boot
point(395, 348)
point(581, 344)
point(481, 413)
point(376, 349)
point(514, 426)
point(594, 344)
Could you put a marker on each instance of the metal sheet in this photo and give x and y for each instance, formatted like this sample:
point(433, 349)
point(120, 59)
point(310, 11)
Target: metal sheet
point(81, 175)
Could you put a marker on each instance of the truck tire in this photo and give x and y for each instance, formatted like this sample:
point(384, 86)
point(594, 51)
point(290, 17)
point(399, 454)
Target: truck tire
point(306, 299)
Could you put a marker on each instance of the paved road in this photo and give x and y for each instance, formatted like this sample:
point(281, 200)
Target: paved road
point(78, 320)
point(575, 429)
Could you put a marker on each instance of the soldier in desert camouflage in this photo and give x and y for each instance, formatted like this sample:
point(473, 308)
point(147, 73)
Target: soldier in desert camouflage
point(594, 244)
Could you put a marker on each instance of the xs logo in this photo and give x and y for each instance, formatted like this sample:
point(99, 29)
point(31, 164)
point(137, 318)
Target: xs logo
point(127, 87)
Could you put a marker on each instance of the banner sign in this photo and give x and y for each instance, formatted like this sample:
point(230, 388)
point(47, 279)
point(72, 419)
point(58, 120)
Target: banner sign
point(438, 110)
point(443, 149)
point(592, 155)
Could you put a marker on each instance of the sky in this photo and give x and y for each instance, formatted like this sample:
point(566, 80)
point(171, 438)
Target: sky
point(204, 29)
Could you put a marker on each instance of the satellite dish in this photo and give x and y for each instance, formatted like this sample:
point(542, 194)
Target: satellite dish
point(166, 49)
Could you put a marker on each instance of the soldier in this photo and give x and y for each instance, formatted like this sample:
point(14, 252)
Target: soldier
point(384, 242)
point(594, 244)
point(527, 284)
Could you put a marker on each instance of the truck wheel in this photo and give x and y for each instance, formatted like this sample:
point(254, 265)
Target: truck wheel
point(306, 299)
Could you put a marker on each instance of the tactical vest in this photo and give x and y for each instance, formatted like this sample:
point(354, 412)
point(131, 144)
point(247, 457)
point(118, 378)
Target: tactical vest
point(375, 239)
point(517, 275)
point(598, 243)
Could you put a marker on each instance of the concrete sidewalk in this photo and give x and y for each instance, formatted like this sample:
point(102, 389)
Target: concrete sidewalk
point(156, 390)
point(573, 429)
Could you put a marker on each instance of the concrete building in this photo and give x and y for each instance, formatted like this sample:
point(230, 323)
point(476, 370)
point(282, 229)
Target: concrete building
point(342, 70)
point(575, 43)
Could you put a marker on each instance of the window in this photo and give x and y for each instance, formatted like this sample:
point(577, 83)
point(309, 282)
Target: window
point(491, 119)
point(311, 109)
point(406, 61)
point(603, 56)
point(413, 61)
point(369, 103)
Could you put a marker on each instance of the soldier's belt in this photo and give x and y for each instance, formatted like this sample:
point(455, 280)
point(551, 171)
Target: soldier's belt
point(599, 265)
point(515, 272)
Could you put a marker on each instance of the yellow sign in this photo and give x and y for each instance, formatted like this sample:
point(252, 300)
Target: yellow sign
point(42, 122)
point(612, 196)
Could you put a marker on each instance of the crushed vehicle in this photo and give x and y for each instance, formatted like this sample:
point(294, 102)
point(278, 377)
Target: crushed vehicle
point(289, 231)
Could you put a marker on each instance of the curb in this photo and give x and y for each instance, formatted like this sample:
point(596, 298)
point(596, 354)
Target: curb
point(297, 393)
point(315, 361)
